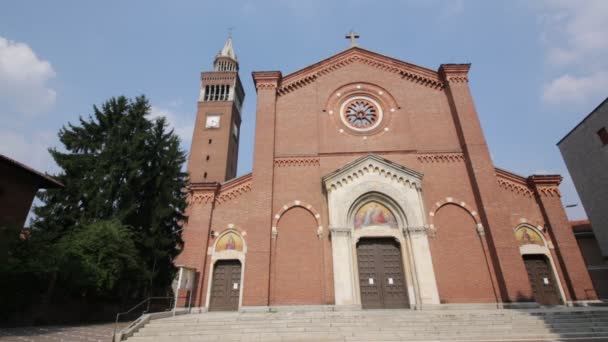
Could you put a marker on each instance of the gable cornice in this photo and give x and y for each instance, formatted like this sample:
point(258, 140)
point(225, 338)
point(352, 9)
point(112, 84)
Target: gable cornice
point(372, 164)
point(413, 73)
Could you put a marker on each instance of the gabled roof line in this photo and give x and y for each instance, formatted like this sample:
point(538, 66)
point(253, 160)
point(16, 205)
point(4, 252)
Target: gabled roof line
point(410, 71)
point(45, 180)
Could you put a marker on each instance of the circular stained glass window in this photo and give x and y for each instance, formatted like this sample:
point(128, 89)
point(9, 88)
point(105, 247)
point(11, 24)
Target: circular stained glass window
point(361, 113)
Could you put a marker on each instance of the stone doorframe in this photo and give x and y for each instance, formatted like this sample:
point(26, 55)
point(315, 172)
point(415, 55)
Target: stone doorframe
point(399, 189)
point(226, 255)
point(545, 250)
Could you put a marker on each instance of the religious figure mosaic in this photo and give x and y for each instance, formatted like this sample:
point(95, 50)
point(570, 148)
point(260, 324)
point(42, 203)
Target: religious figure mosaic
point(374, 214)
point(528, 236)
point(229, 241)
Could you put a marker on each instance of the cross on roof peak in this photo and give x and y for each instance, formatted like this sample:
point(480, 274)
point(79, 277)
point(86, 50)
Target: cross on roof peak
point(353, 38)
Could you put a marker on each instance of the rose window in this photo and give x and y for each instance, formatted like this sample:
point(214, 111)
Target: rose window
point(361, 113)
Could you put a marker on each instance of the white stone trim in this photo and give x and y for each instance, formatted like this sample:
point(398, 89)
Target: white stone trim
point(398, 188)
point(226, 255)
point(531, 249)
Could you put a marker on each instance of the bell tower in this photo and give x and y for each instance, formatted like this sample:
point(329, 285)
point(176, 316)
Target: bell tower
point(215, 141)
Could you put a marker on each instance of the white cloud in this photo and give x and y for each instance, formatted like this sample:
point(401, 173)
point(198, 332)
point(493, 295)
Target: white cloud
point(31, 150)
point(182, 127)
point(575, 30)
point(572, 89)
point(24, 78)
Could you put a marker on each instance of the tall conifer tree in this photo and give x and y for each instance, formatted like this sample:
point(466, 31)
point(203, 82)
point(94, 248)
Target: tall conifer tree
point(119, 165)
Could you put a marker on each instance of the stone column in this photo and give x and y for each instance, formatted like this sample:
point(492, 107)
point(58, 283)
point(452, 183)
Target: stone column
point(569, 260)
point(509, 265)
point(342, 253)
point(423, 265)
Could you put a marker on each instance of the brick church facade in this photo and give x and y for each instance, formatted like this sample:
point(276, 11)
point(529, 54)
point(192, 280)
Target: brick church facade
point(372, 187)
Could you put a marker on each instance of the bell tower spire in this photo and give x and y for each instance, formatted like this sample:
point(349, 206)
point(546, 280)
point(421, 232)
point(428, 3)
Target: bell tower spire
point(226, 59)
point(215, 141)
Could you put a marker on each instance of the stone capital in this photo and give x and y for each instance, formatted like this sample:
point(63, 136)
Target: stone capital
point(412, 230)
point(340, 230)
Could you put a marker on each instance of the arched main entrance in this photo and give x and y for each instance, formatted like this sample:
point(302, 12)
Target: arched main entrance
point(381, 276)
point(372, 201)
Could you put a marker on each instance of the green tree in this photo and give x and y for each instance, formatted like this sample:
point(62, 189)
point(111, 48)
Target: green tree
point(100, 257)
point(118, 165)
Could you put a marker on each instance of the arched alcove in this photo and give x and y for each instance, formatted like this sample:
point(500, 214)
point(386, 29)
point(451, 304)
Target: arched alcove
point(297, 263)
point(459, 260)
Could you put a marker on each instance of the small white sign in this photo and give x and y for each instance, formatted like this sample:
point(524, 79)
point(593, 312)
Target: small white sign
point(371, 281)
point(390, 281)
point(235, 286)
point(546, 281)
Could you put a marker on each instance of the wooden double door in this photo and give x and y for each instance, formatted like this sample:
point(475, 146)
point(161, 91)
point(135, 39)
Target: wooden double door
point(381, 276)
point(542, 280)
point(225, 286)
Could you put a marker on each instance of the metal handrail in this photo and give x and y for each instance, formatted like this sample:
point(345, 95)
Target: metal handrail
point(147, 300)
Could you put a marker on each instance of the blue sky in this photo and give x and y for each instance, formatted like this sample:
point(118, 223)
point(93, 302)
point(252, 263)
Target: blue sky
point(538, 67)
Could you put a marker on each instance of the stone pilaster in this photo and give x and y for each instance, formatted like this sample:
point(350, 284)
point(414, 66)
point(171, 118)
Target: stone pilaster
point(342, 253)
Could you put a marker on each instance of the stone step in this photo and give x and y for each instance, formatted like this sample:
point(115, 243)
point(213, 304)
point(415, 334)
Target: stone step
point(362, 337)
point(362, 325)
point(413, 323)
point(348, 331)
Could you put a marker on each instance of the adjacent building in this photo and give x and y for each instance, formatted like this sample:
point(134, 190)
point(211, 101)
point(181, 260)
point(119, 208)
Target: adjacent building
point(18, 186)
point(585, 151)
point(596, 263)
point(372, 186)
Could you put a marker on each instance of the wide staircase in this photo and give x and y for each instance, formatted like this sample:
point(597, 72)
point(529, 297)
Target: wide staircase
point(381, 325)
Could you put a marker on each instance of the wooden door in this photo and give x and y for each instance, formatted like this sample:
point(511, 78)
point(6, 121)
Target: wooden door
point(225, 286)
point(381, 277)
point(542, 281)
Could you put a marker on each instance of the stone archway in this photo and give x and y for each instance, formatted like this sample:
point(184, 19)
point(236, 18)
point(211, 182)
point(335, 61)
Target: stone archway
point(398, 188)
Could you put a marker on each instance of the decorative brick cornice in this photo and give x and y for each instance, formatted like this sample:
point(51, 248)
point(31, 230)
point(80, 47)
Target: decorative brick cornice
point(546, 185)
point(296, 162)
point(234, 188)
point(513, 182)
point(455, 73)
point(441, 157)
point(407, 71)
point(266, 80)
point(548, 191)
point(234, 192)
point(201, 193)
point(201, 198)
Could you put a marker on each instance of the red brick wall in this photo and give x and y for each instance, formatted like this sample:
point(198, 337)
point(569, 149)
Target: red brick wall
point(297, 272)
point(461, 267)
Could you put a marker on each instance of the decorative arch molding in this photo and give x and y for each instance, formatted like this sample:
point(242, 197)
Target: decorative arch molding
point(290, 205)
point(226, 255)
point(533, 249)
point(462, 204)
point(374, 196)
point(539, 229)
